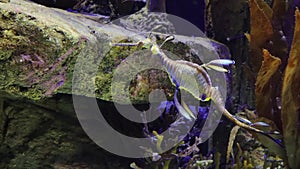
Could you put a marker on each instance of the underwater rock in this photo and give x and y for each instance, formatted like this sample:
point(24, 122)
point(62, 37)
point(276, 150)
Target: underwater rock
point(42, 48)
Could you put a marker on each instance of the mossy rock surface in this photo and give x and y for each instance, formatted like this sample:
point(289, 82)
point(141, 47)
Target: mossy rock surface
point(42, 48)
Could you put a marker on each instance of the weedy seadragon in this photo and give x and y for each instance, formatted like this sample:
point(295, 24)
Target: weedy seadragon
point(182, 74)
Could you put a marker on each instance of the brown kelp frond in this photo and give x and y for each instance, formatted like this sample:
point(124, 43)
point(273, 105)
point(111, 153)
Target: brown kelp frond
point(261, 30)
point(291, 100)
point(263, 90)
point(277, 96)
point(265, 30)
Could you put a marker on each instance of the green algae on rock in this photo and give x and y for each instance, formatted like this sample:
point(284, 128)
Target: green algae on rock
point(42, 46)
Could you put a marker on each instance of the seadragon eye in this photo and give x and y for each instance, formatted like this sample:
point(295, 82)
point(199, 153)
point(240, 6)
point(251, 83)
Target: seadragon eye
point(147, 43)
point(154, 50)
